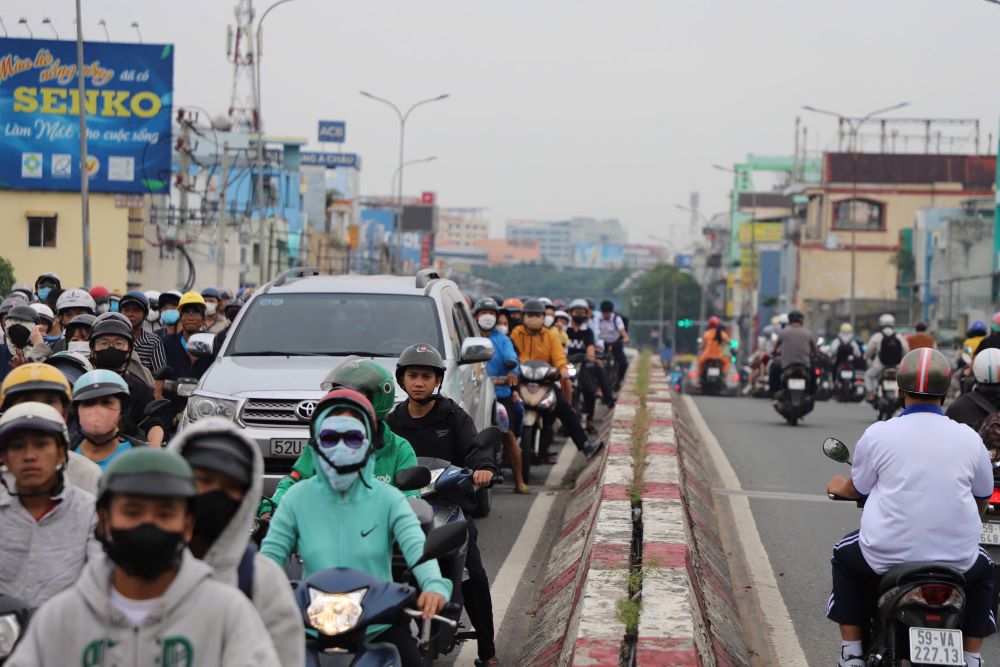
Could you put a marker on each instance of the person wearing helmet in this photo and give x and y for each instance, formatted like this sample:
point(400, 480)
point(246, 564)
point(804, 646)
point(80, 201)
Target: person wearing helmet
point(972, 407)
point(992, 340)
point(215, 318)
point(438, 427)
point(76, 335)
point(184, 365)
point(714, 345)
point(72, 302)
point(885, 349)
point(112, 348)
point(369, 514)
point(974, 336)
point(536, 343)
point(612, 331)
point(927, 479)
point(503, 370)
point(71, 364)
point(146, 600)
point(169, 315)
point(796, 346)
point(228, 473)
point(844, 349)
point(920, 337)
point(23, 340)
point(549, 322)
point(45, 284)
point(153, 316)
point(583, 342)
point(47, 523)
point(391, 452)
point(101, 405)
point(46, 323)
point(562, 320)
point(513, 309)
point(149, 347)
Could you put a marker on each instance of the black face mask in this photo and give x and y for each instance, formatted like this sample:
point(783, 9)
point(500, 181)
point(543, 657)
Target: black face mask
point(146, 552)
point(110, 358)
point(580, 319)
point(515, 321)
point(19, 335)
point(212, 513)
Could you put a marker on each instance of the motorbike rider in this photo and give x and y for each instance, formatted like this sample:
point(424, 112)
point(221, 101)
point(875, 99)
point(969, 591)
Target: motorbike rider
point(170, 316)
point(76, 335)
point(513, 308)
point(23, 340)
point(215, 317)
point(885, 349)
point(562, 323)
point(927, 480)
point(47, 284)
point(69, 305)
point(715, 343)
point(182, 364)
point(438, 427)
point(369, 514)
point(46, 521)
point(46, 322)
point(135, 306)
point(153, 316)
point(974, 336)
point(228, 473)
point(503, 370)
point(972, 407)
point(391, 453)
point(536, 343)
point(111, 349)
point(920, 338)
point(795, 346)
point(992, 340)
point(611, 330)
point(146, 600)
point(582, 341)
point(844, 349)
point(101, 403)
point(550, 323)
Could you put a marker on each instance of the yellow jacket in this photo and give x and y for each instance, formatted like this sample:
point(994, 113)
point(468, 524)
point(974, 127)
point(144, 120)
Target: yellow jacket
point(542, 345)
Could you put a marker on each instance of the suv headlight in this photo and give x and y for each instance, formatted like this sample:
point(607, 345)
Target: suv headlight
point(200, 407)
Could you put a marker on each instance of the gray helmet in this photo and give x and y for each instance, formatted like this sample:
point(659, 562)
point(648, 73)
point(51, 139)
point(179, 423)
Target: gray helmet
point(15, 299)
point(220, 447)
point(76, 298)
point(534, 307)
point(486, 304)
point(421, 354)
point(23, 313)
point(111, 324)
point(925, 372)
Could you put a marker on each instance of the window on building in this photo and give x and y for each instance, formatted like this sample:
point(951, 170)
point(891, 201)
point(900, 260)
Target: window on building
point(41, 231)
point(135, 260)
point(861, 215)
point(256, 254)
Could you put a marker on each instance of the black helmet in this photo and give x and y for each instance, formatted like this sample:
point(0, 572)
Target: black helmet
point(607, 306)
point(111, 324)
point(48, 278)
point(136, 297)
point(486, 304)
point(534, 307)
point(796, 316)
point(83, 321)
point(170, 299)
point(421, 354)
point(233, 309)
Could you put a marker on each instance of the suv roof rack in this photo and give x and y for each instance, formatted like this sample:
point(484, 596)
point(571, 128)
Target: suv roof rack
point(425, 276)
point(291, 275)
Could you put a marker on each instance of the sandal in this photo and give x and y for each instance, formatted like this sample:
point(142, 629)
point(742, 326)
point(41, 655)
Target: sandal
point(522, 489)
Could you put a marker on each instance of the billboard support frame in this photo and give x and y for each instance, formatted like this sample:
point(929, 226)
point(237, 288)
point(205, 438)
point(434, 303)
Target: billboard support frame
point(84, 175)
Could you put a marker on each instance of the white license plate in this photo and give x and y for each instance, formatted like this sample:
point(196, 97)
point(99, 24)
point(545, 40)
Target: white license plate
point(990, 534)
point(930, 646)
point(890, 385)
point(288, 447)
point(713, 372)
point(847, 375)
point(796, 383)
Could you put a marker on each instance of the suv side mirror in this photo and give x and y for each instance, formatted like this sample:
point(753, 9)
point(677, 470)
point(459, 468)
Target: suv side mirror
point(201, 345)
point(475, 350)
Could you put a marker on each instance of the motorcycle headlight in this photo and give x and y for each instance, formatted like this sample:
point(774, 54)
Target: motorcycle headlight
point(200, 407)
point(334, 613)
point(10, 630)
point(534, 373)
point(435, 474)
point(572, 372)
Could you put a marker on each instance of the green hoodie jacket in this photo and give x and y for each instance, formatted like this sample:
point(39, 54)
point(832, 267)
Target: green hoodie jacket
point(394, 455)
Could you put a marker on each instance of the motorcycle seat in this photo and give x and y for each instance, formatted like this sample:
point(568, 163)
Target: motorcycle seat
point(915, 572)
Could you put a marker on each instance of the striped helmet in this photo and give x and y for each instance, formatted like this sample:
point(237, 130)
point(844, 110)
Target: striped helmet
point(925, 372)
point(986, 366)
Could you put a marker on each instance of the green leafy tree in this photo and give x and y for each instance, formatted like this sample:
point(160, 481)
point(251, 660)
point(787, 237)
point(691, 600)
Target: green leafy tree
point(547, 280)
point(6, 275)
point(645, 299)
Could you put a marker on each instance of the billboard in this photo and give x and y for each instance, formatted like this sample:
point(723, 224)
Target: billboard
point(330, 160)
point(128, 100)
point(419, 218)
point(378, 229)
point(332, 130)
point(598, 255)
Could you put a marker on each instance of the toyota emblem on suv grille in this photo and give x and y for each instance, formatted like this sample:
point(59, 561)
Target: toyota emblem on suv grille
point(305, 409)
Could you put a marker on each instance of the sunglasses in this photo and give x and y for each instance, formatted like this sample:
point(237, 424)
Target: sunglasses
point(353, 439)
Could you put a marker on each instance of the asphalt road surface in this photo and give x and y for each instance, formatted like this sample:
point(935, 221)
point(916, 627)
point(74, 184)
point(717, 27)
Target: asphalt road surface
point(783, 472)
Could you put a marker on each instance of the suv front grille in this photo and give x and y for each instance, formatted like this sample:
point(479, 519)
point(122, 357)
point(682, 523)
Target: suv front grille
point(260, 412)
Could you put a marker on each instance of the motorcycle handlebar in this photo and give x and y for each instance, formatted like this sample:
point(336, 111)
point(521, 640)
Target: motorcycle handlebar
point(859, 501)
point(413, 613)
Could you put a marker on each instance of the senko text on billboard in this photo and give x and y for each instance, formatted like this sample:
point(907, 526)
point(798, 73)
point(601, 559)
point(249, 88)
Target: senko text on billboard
point(128, 101)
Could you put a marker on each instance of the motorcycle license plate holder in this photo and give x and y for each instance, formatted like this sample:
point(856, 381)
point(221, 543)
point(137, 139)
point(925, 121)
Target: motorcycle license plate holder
point(847, 375)
point(796, 384)
point(713, 372)
point(890, 385)
point(990, 534)
point(287, 448)
point(934, 646)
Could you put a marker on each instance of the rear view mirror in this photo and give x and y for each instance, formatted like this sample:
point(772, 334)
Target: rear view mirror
point(836, 450)
point(443, 540)
point(201, 345)
point(412, 479)
point(476, 349)
point(158, 408)
point(490, 437)
point(164, 373)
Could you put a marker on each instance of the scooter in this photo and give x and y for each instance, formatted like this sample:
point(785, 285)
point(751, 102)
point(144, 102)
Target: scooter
point(793, 399)
point(713, 379)
point(887, 394)
point(14, 615)
point(850, 383)
point(538, 387)
point(339, 604)
point(920, 609)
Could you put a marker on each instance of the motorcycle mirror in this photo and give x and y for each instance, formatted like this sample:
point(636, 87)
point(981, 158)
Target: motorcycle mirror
point(837, 450)
point(164, 373)
point(157, 406)
point(488, 437)
point(443, 540)
point(412, 479)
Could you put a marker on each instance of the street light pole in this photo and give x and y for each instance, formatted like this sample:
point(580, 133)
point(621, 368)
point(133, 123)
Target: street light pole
point(402, 140)
point(854, 127)
point(392, 185)
point(84, 176)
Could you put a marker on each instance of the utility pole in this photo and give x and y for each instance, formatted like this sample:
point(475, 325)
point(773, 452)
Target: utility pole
point(659, 333)
point(84, 176)
point(185, 150)
point(220, 239)
point(673, 314)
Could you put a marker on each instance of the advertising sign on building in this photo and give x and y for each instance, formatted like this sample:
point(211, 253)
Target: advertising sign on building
point(330, 160)
point(128, 102)
point(334, 131)
point(598, 255)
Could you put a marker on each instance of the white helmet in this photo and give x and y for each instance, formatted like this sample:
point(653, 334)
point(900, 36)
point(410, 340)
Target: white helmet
point(76, 298)
point(546, 301)
point(45, 313)
point(153, 296)
point(578, 303)
point(563, 314)
point(783, 319)
point(887, 320)
point(36, 417)
point(986, 366)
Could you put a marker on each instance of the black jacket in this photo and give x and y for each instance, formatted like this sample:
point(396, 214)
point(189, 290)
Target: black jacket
point(446, 432)
point(967, 411)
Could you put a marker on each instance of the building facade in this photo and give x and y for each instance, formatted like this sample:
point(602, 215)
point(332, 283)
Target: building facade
point(559, 240)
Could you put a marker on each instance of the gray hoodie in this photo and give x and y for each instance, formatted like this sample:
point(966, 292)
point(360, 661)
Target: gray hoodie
point(271, 593)
point(198, 623)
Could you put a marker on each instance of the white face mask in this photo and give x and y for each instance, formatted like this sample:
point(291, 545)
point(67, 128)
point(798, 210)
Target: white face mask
point(502, 328)
point(549, 321)
point(81, 346)
point(153, 316)
point(487, 321)
point(210, 308)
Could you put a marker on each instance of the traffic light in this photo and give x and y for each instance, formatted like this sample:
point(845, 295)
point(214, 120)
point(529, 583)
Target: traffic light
point(684, 324)
point(734, 344)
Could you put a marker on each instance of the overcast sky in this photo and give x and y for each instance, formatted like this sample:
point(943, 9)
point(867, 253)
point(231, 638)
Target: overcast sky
point(582, 107)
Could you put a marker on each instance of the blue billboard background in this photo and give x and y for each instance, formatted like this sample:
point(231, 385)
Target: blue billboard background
point(129, 90)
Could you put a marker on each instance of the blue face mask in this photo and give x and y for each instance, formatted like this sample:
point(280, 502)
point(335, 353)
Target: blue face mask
point(43, 293)
point(339, 448)
point(170, 317)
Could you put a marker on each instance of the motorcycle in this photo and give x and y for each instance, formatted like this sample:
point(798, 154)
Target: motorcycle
point(886, 394)
point(713, 379)
point(14, 615)
point(538, 387)
point(990, 536)
point(920, 607)
point(850, 383)
point(793, 399)
point(824, 387)
point(340, 603)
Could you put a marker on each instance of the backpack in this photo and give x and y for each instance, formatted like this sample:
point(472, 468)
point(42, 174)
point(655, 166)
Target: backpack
point(989, 428)
point(890, 351)
point(244, 571)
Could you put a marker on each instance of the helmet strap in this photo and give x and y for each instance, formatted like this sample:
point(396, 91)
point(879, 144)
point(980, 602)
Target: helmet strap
point(57, 487)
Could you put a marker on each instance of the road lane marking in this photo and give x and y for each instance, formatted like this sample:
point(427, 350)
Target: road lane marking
point(784, 640)
point(773, 495)
point(504, 585)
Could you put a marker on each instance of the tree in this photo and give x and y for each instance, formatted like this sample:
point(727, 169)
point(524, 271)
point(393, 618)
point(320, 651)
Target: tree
point(6, 275)
point(547, 280)
point(656, 286)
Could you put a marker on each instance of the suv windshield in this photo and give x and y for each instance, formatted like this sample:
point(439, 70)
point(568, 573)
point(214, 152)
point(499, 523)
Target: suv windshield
point(378, 325)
